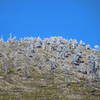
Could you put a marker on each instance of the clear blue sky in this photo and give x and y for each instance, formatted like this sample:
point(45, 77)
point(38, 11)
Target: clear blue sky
point(77, 19)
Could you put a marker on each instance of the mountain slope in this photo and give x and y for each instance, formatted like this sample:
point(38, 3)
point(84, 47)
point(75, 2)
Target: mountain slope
point(49, 69)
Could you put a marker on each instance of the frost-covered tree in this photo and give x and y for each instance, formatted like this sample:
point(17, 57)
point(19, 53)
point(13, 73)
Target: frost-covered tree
point(81, 43)
point(38, 43)
point(74, 44)
point(1, 40)
point(97, 47)
point(77, 58)
point(87, 46)
point(11, 38)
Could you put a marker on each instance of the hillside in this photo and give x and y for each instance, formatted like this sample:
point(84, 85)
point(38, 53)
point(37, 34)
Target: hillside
point(49, 69)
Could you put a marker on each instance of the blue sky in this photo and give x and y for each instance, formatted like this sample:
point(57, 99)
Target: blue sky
point(77, 19)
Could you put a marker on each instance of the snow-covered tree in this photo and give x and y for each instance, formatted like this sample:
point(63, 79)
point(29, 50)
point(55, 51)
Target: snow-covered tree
point(81, 43)
point(11, 38)
point(97, 47)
